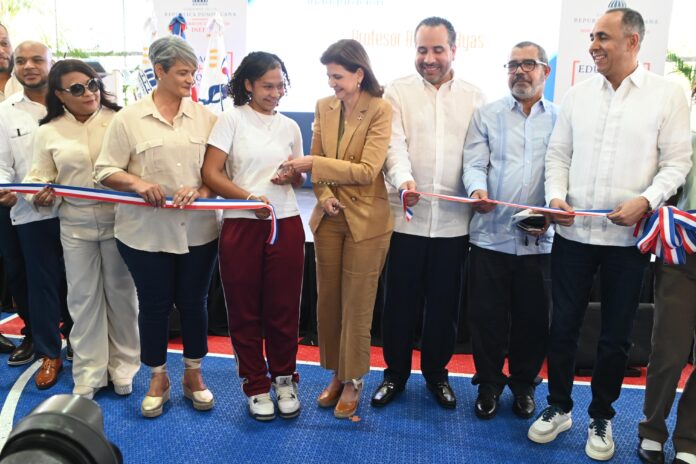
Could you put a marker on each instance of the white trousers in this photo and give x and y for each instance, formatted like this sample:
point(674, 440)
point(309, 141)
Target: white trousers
point(101, 300)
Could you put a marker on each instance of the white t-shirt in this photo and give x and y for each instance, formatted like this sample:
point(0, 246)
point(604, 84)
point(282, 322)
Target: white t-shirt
point(256, 144)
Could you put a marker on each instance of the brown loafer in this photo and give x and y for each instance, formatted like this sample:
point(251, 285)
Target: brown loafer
point(346, 409)
point(47, 376)
point(328, 398)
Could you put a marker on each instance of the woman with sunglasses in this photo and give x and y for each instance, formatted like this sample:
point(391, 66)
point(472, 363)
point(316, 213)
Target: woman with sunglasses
point(155, 148)
point(101, 294)
point(262, 282)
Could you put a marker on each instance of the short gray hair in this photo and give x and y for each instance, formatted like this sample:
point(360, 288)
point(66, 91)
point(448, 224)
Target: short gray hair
point(540, 50)
point(632, 22)
point(167, 50)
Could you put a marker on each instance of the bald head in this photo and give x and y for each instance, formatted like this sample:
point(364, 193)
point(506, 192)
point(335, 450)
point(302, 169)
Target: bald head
point(32, 61)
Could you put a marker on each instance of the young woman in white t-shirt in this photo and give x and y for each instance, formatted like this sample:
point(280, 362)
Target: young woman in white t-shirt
point(262, 282)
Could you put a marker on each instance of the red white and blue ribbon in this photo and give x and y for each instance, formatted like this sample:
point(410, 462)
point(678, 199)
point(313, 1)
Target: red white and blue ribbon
point(408, 212)
point(127, 198)
point(669, 233)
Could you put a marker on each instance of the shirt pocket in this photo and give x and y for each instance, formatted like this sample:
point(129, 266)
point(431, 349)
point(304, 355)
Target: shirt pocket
point(199, 144)
point(150, 154)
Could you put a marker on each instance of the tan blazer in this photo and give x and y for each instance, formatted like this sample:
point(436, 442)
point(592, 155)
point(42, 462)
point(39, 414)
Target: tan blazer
point(352, 171)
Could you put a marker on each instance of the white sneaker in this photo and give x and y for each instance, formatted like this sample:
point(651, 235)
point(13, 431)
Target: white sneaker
point(261, 407)
point(549, 424)
point(287, 397)
point(600, 444)
point(123, 389)
point(85, 391)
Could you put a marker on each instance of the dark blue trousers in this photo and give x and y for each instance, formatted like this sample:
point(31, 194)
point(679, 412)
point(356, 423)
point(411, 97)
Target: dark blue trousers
point(573, 266)
point(165, 280)
point(46, 285)
point(13, 262)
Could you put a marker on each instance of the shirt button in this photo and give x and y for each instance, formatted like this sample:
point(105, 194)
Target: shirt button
point(181, 185)
point(183, 223)
point(178, 164)
point(353, 198)
point(352, 157)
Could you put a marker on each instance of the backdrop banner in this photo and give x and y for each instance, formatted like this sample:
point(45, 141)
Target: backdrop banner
point(574, 63)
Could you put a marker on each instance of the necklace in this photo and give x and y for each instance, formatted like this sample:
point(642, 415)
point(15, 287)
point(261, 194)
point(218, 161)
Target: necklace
point(263, 119)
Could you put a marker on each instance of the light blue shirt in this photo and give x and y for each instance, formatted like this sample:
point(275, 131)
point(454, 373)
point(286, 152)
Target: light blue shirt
point(504, 155)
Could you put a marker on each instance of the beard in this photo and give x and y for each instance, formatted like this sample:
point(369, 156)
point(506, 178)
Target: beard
point(523, 92)
point(42, 83)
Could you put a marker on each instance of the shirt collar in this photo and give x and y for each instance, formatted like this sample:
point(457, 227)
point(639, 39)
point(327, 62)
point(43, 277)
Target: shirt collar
point(427, 84)
point(512, 103)
point(149, 108)
point(637, 77)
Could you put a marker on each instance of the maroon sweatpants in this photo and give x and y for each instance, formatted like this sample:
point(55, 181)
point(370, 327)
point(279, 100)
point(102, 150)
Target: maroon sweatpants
point(262, 285)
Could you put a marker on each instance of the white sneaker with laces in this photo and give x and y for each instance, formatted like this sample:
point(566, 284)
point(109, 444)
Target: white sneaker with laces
point(600, 444)
point(549, 424)
point(286, 394)
point(261, 407)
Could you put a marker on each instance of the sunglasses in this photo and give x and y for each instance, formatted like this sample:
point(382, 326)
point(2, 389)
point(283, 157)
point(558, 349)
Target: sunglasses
point(77, 90)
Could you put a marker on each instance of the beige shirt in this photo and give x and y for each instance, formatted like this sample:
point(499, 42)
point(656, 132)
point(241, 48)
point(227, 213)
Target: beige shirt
point(141, 142)
point(65, 150)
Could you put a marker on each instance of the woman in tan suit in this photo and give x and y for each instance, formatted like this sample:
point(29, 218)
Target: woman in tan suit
point(352, 223)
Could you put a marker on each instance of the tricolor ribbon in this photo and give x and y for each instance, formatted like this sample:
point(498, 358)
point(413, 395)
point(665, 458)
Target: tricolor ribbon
point(669, 233)
point(126, 198)
point(408, 212)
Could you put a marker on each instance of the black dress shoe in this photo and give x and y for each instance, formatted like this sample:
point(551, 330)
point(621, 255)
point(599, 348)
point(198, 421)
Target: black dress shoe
point(23, 354)
point(385, 393)
point(486, 405)
point(6, 345)
point(444, 394)
point(524, 406)
point(651, 457)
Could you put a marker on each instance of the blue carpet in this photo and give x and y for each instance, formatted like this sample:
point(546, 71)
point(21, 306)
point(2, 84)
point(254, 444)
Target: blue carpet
point(413, 429)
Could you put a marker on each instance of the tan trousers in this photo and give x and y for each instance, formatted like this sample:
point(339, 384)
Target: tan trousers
point(101, 299)
point(347, 278)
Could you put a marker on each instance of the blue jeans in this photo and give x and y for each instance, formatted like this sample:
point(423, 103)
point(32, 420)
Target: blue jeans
point(573, 266)
point(165, 280)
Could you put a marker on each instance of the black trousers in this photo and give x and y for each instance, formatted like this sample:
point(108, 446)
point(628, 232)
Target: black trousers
point(574, 265)
point(508, 305)
point(13, 263)
point(423, 276)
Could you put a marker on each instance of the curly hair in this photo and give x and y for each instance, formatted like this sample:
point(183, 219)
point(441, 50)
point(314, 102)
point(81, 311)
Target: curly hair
point(252, 68)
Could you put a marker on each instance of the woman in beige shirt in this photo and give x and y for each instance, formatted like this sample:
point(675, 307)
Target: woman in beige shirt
point(155, 148)
point(101, 294)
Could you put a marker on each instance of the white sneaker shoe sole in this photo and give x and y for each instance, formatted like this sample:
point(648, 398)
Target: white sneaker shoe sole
point(551, 436)
point(599, 455)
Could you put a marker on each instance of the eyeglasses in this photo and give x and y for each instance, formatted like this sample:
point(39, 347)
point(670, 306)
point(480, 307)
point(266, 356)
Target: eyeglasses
point(77, 90)
point(526, 65)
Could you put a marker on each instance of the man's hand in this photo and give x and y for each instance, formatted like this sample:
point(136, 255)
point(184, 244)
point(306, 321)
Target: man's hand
point(411, 199)
point(561, 219)
point(482, 207)
point(7, 198)
point(629, 212)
